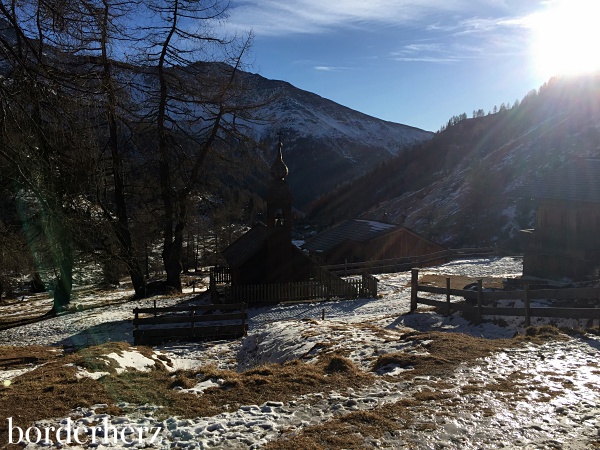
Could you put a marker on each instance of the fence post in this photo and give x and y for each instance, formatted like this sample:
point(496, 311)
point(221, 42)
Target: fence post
point(135, 326)
point(374, 286)
point(244, 318)
point(414, 289)
point(448, 296)
point(193, 322)
point(479, 299)
point(526, 301)
point(212, 283)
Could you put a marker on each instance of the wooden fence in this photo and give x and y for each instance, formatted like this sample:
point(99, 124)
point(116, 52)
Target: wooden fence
point(261, 294)
point(189, 323)
point(333, 285)
point(220, 275)
point(485, 301)
point(408, 262)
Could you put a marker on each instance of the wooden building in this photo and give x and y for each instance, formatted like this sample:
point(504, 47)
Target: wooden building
point(566, 239)
point(266, 254)
point(359, 240)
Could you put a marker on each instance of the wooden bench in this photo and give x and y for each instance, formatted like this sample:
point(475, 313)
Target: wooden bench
point(189, 323)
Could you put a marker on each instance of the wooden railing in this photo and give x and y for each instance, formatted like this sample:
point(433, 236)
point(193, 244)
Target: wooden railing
point(189, 323)
point(261, 294)
point(408, 262)
point(220, 275)
point(485, 301)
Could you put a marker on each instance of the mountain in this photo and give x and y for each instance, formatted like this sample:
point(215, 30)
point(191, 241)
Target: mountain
point(325, 143)
point(468, 185)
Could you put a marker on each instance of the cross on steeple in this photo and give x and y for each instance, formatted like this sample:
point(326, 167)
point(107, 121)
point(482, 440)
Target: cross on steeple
point(278, 169)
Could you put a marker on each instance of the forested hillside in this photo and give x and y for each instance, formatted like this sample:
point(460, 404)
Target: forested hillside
point(464, 186)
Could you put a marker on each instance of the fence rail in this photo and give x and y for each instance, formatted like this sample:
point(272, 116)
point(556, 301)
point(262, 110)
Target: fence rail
point(188, 323)
point(486, 301)
point(408, 262)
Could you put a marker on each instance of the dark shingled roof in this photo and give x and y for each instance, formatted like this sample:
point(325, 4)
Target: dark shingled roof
point(246, 246)
point(352, 230)
point(578, 180)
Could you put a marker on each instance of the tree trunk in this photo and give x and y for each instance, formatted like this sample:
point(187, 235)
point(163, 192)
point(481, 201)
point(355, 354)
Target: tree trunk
point(172, 231)
point(173, 247)
point(123, 231)
point(63, 256)
point(62, 293)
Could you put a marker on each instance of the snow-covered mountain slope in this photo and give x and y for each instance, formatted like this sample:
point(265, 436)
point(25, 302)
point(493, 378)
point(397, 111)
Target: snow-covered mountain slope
point(325, 143)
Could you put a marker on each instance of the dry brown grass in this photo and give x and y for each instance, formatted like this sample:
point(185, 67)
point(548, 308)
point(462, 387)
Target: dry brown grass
point(18, 357)
point(347, 432)
point(460, 281)
point(53, 389)
point(446, 352)
point(270, 382)
point(542, 333)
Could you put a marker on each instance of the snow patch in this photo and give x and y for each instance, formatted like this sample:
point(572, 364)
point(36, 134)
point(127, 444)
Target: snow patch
point(129, 359)
point(8, 375)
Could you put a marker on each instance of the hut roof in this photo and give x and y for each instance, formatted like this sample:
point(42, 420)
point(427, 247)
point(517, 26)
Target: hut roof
point(246, 246)
point(357, 230)
point(578, 180)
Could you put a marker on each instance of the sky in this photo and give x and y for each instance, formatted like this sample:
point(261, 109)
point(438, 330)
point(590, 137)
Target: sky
point(418, 62)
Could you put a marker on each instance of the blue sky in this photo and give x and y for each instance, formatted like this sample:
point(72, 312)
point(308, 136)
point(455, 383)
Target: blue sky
point(412, 62)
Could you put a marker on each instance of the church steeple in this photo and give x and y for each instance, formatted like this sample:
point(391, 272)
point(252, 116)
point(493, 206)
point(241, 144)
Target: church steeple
point(279, 197)
point(278, 169)
point(279, 221)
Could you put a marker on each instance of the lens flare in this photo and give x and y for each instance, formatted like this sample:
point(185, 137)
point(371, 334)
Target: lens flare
point(565, 38)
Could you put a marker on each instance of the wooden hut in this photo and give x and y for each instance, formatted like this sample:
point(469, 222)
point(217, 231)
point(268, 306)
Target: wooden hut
point(358, 240)
point(566, 239)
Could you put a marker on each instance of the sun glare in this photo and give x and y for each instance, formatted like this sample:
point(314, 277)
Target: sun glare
point(566, 38)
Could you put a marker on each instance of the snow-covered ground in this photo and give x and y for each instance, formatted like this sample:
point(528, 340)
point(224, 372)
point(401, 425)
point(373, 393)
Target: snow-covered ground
point(554, 401)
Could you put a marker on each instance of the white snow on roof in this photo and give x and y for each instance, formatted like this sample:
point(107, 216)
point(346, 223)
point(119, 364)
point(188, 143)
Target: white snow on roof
point(378, 226)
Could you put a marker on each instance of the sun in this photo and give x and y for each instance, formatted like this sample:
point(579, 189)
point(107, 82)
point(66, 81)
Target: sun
point(566, 38)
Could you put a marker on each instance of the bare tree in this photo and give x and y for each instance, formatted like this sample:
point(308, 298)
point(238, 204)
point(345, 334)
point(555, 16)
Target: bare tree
point(45, 133)
point(111, 92)
point(195, 104)
point(69, 131)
